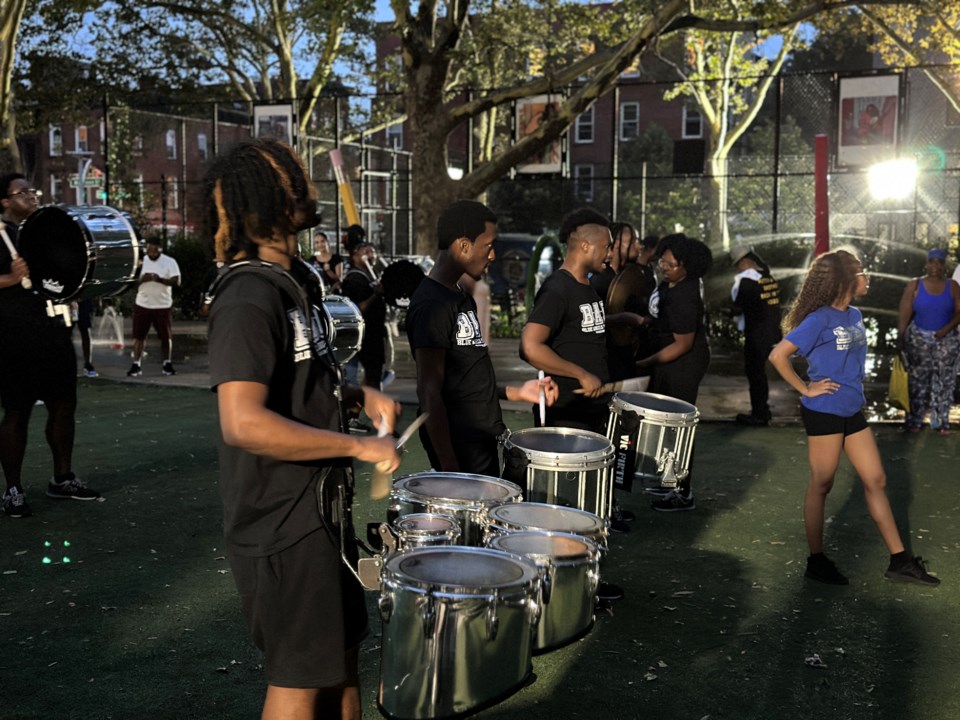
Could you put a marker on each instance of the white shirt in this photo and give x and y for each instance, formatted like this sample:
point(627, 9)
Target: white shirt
point(154, 295)
point(956, 275)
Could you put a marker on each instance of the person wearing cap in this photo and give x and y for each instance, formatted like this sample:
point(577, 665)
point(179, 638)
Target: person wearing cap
point(756, 300)
point(929, 342)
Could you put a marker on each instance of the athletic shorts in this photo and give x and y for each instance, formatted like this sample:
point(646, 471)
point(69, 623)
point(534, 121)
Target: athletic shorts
point(818, 423)
point(304, 610)
point(161, 319)
point(37, 364)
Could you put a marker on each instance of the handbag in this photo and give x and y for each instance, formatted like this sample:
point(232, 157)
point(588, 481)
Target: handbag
point(899, 391)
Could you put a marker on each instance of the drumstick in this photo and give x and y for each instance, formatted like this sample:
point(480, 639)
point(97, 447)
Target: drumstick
point(543, 401)
point(637, 384)
point(25, 281)
point(380, 485)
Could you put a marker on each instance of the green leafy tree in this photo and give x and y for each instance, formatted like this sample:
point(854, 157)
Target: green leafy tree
point(11, 15)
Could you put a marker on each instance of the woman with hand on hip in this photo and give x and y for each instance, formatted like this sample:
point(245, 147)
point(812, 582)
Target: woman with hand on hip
point(823, 327)
point(928, 339)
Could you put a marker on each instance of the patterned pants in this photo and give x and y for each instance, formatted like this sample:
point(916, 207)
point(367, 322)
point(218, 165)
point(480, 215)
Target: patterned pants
point(933, 375)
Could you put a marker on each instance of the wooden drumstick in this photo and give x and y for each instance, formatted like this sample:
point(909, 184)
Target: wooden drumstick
point(380, 484)
point(543, 401)
point(25, 281)
point(637, 384)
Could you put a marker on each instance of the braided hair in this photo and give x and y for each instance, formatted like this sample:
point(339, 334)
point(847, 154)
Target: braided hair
point(616, 231)
point(258, 192)
point(831, 278)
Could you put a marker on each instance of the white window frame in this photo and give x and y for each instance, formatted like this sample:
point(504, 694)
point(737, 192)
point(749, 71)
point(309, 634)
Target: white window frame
point(138, 181)
point(56, 188)
point(203, 151)
point(56, 141)
point(81, 139)
point(686, 118)
point(583, 174)
point(173, 201)
point(137, 144)
point(395, 136)
point(584, 129)
point(635, 106)
point(170, 140)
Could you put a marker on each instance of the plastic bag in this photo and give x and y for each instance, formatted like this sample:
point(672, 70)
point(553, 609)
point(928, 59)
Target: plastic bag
point(899, 391)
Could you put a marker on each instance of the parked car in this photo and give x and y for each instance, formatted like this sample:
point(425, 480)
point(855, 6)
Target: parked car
point(509, 271)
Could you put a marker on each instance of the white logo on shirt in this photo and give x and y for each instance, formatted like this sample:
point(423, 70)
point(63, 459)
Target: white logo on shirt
point(301, 342)
point(468, 330)
point(592, 317)
point(847, 337)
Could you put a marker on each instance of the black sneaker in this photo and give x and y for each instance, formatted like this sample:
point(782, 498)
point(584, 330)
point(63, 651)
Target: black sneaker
point(168, 368)
point(609, 591)
point(674, 502)
point(618, 513)
point(134, 370)
point(751, 420)
point(822, 569)
point(72, 489)
point(912, 571)
point(619, 526)
point(15, 503)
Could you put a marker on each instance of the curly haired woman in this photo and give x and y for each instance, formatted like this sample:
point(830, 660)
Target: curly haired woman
point(823, 327)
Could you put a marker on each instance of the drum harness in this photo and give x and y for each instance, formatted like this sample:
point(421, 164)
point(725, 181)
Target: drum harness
point(340, 512)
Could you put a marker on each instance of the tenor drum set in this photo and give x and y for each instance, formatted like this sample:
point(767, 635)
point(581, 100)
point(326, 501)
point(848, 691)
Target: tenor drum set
point(479, 574)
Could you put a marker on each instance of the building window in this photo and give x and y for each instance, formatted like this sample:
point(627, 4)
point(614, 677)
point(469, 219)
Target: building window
point(173, 194)
point(171, 145)
point(395, 136)
point(584, 128)
point(629, 120)
point(202, 145)
point(56, 189)
point(81, 143)
point(692, 123)
point(138, 185)
point(137, 145)
point(583, 182)
point(56, 141)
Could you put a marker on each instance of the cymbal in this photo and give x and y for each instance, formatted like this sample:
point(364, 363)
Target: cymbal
point(629, 292)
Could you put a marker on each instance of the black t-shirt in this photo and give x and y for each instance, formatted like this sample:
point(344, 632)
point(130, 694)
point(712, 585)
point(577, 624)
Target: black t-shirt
point(359, 287)
point(328, 268)
point(680, 311)
point(601, 281)
point(21, 311)
point(575, 315)
point(759, 300)
point(447, 319)
point(257, 334)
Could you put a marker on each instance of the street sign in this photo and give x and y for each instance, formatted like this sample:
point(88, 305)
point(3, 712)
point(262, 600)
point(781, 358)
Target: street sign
point(88, 181)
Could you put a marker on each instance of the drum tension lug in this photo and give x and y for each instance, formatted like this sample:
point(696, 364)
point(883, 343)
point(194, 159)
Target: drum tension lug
point(428, 614)
point(493, 622)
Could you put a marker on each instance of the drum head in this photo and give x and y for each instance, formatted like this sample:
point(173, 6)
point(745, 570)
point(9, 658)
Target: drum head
point(55, 247)
point(547, 545)
point(540, 516)
point(425, 524)
point(463, 568)
point(656, 407)
point(400, 279)
point(558, 444)
point(457, 487)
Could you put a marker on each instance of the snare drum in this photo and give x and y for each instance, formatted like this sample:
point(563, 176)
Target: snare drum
point(561, 466)
point(521, 516)
point(653, 437)
point(425, 530)
point(80, 252)
point(569, 573)
point(458, 627)
point(345, 326)
point(462, 495)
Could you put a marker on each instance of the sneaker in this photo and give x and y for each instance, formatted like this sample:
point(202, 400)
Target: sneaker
point(609, 591)
point(618, 513)
point(912, 571)
point(134, 370)
point(619, 526)
point(357, 427)
point(90, 371)
point(168, 368)
point(72, 488)
point(673, 502)
point(388, 377)
point(15, 503)
point(822, 569)
point(751, 420)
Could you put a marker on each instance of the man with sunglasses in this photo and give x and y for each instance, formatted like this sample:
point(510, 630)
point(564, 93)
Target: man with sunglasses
point(37, 362)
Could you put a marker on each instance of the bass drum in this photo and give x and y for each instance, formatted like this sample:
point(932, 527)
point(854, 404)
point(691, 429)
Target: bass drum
point(400, 279)
point(77, 253)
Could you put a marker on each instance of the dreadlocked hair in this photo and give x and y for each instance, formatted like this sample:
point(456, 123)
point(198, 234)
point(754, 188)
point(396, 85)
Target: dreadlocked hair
point(254, 192)
point(831, 278)
point(616, 230)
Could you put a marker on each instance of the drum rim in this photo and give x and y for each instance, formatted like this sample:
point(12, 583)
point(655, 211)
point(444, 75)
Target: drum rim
point(454, 526)
point(530, 577)
point(591, 552)
point(402, 493)
point(579, 460)
point(620, 402)
point(492, 513)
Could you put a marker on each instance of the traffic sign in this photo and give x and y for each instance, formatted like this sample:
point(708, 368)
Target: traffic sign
point(88, 181)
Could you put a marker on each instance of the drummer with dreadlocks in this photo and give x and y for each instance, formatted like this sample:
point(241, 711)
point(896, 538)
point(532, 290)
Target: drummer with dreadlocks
point(286, 480)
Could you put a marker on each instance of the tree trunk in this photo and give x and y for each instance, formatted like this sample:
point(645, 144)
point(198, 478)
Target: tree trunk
point(719, 235)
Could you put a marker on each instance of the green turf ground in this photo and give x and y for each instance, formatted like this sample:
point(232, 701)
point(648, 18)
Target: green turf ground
point(143, 621)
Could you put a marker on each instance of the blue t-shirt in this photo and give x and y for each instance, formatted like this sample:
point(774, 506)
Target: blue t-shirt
point(834, 342)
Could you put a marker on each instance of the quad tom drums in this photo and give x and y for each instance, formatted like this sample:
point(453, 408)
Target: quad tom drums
point(80, 252)
point(562, 466)
point(422, 530)
point(458, 629)
point(522, 516)
point(464, 496)
point(653, 437)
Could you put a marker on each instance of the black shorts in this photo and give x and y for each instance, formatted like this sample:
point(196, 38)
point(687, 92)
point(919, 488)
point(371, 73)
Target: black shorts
point(161, 319)
point(85, 314)
point(304, 610)
point(818, 423)
point(37, 364)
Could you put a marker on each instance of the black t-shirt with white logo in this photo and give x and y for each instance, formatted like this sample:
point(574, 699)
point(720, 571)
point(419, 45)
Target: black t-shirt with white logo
point(447, 319)
point(575, 315)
